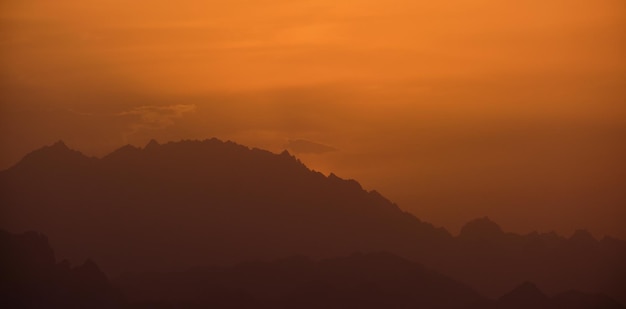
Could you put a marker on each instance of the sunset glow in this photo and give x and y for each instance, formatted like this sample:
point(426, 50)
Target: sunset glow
point(452, 109)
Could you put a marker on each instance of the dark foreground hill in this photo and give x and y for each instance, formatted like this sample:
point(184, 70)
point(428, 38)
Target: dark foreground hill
point(193, 203)
point(377, 280)
point(33, 279)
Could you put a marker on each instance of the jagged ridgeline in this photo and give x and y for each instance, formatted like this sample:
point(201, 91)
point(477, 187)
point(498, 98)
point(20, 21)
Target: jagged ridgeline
point(183, 204)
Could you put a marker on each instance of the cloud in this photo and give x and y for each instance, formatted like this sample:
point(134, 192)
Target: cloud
point(150, 117)
point(305, 146)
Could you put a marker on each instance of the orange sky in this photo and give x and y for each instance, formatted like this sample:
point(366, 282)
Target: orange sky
point(453, 109)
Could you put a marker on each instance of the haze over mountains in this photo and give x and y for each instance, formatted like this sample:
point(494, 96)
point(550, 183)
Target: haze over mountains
point(187, 204)
point(32, 278)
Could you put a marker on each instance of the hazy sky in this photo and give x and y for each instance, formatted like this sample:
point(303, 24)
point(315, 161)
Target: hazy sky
point(453, 109)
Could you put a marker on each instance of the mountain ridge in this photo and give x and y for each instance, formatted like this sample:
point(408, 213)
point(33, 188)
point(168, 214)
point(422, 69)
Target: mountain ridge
point(132, 150)
point(190, 203)
point(32, 278)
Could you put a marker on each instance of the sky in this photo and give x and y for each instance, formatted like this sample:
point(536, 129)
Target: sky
point(452, 109)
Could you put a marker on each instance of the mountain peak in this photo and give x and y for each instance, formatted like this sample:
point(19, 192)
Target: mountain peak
point(481, 228)
point(152, 144)
point(89, 273)
point(525, 295)
point(582, 237)
point(123, 151)
point(51, 157)
point(59, 145)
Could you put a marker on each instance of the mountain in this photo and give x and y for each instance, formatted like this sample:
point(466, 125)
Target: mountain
point(579, 300)
point(31, 277)
point(485, 253)
point(375, 280)
point(184, 204)
point(526, 295)
point(192, 203)
point(481, 229)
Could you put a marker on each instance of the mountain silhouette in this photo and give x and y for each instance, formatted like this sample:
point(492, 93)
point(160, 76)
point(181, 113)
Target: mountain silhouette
point(526, 295)
point(375, 280)
point(582, 238)
point(580, 300)
point(481, 229)
point(200, 202)
point(31, 277)
point(184, 204)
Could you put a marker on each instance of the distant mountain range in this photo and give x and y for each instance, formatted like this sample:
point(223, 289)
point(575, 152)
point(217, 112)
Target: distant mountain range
point(174, 206)
point(33, 279)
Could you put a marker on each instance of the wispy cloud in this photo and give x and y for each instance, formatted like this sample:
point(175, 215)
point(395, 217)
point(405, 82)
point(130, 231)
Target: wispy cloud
point(151, 117)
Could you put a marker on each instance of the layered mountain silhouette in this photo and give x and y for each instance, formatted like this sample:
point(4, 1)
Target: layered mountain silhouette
point(173, 206)
point(376, 280)
point(33, 279)
point(527, 295)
